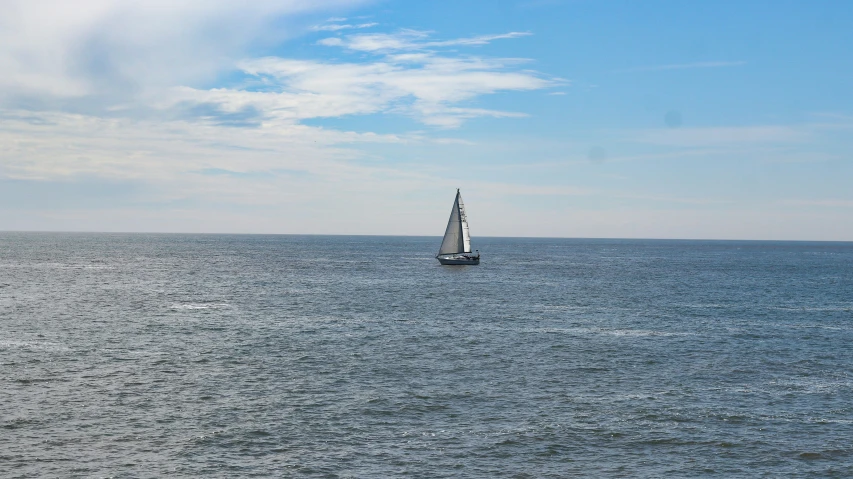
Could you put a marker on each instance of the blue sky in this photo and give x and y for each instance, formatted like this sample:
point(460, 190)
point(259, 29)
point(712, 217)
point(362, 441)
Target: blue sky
point(654, 119)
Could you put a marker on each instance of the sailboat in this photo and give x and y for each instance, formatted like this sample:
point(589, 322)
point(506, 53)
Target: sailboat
point(456, 245)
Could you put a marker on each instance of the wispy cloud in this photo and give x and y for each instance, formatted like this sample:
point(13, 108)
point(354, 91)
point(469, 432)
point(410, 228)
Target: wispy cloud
point(410, 77)
point(334, 27)
point(682, 66)
point(76, 145)
point(517, 189)
point(424, 86)
point(409, 40)
point(675, 199)
point(822, 203)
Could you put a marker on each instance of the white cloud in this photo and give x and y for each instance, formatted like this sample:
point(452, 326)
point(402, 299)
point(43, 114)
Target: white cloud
point(204, 167)
point(479, 40)
point(426, 87)
point(334, 27)
point(409, 78)
point(331, 42)
point(61, 145)
point(113, 58)
point(52, 50)
point(409, 40)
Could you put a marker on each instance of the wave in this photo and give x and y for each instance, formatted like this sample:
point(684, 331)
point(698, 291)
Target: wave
point(197, 306)
point(33, 345)
point(614, 332)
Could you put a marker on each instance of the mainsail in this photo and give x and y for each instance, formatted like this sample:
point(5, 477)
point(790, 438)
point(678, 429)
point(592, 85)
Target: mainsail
point(456, 237)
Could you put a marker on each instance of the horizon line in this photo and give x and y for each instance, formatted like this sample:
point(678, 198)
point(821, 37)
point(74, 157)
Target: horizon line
point(2, 231)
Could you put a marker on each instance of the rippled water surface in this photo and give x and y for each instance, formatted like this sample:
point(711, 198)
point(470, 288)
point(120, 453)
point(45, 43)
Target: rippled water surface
point(311, 356)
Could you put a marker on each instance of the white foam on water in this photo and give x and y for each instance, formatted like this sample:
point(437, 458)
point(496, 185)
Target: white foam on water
point(561, 307)
point(98, 267)
point(642, 332)
point(613, 332)
point(33, 345)
point(197, 306)
point(815, 309)
point(813, 385)
point(59, 266)
point(703, 305)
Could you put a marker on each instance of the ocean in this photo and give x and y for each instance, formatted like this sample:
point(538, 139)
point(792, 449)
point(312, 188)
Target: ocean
point(159, 355)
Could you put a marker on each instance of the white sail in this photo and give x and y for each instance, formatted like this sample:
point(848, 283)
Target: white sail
point(452, 242)
point(456, 237)
point(463, 219)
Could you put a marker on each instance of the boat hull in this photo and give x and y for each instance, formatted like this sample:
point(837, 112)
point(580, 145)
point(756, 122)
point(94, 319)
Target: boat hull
point(458, 261)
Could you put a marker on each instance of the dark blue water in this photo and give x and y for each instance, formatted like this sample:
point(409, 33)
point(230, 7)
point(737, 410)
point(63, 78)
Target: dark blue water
point(309, 356)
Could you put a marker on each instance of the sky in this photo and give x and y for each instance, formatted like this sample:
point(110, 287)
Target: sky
point(572, 118)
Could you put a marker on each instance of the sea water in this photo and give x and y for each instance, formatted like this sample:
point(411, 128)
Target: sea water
point(143, 355)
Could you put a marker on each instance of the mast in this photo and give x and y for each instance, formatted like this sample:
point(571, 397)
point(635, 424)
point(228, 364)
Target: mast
point(463, 222)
